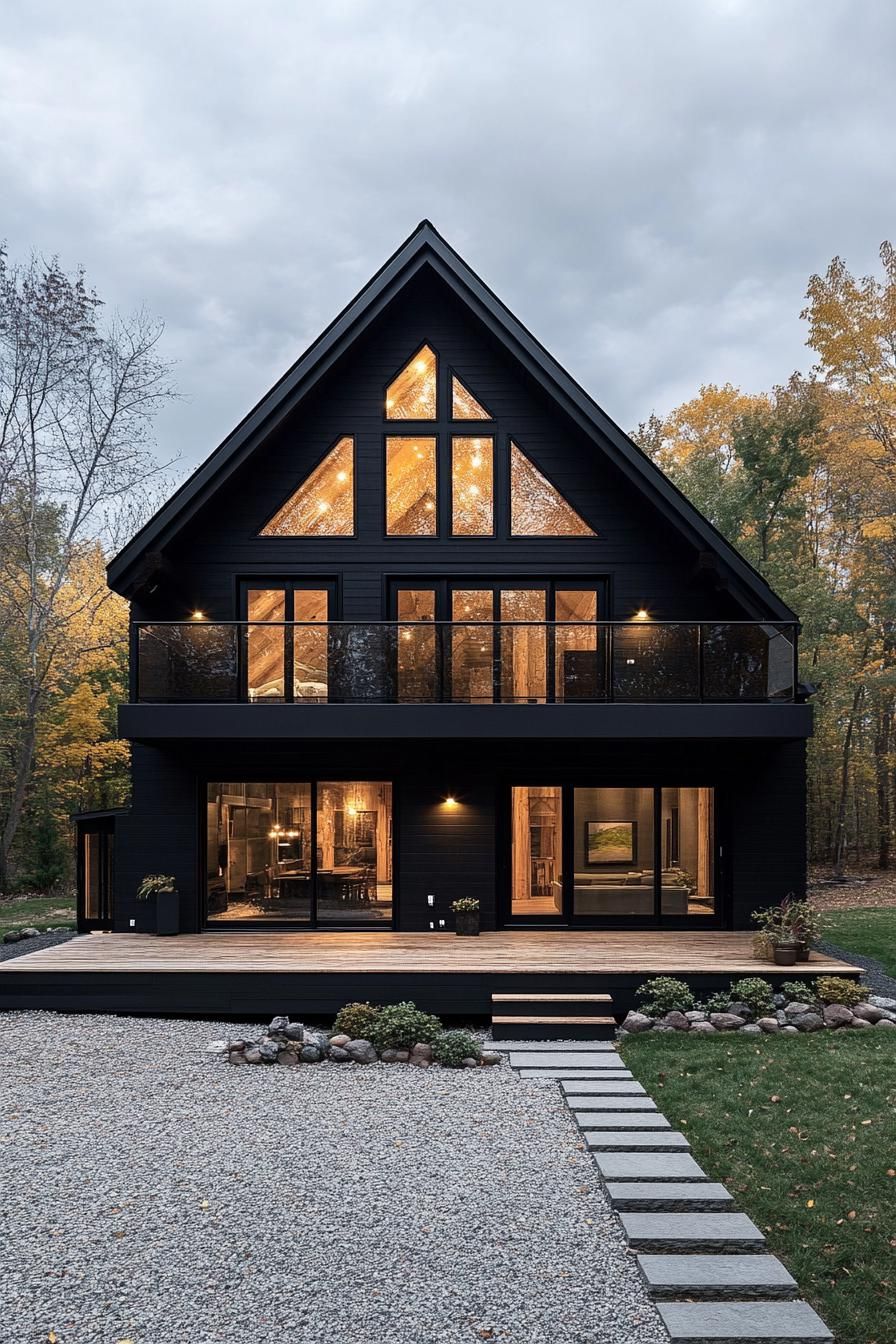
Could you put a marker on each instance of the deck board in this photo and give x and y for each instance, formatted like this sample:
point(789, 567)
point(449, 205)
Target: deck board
point(536, 952)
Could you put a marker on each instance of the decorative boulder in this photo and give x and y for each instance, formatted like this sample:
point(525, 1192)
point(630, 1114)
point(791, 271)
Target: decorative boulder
point(361, 1052)
point(636, 1022)
point(860, 1022)
point(269, 1050)
point(741, 1010)
point(278, 1026)
point(695, 1015)
point(704, 1029)
point(253, 1055)
point(884, 1022)
point(338, 1055)
point(422, 1051)
point(311, 1054)
point(31, 933)
point(490, 1057)
point(469, 1063)
point(868, 1011)
point(389, 1056)
point(725, 1021)
point(837, 1015)
point(769, 1024)
point(677, 1021)
point(751, 1029)
point(294, 1031)
point(236, 1057)
point(790, 1030)
point(12, 936)
point(288, 1057)
point(796, 1009)
point(402, 1056)
point(340, 1039)
point(807, 1022)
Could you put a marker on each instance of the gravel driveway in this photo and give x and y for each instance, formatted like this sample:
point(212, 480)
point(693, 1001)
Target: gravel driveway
point(157, 1195)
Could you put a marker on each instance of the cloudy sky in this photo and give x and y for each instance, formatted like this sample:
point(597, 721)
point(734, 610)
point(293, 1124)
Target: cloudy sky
point(648, 185)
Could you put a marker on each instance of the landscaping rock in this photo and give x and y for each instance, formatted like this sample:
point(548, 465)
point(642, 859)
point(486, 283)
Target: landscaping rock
point(269, 1050)
point(30, 933)
point(778, 1000)
point(796, 1009)
point(860, 1022)
point(884, 1022)
point(340, 1039)
point(726, 1021)
point(868, 1011)
point(704, 1029)
point(741, 1010)
point(12, 936)
point(837, 1015)
point(636, 1022)
point(490, 1057)
point(253, 1055)
point(751, 1029)
point(469, 1063)
point(420, 1061)
point(389, 1056)
point(807, 1022)
point(288, 1057)
point(695, 1015)
point(423, 1051)
point(294, 1031)
point(781, 1017)
point(790, 1030)
point(338, 1055)
point(236, 1057)
point(311, 1054)
point(677, 1021)
point(278, 1026)
point(769, 1024)
point(879, 1001)
point(361, 1052)
point(402, 1056)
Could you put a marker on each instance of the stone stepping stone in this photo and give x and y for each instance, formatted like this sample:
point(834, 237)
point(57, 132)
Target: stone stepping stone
point(636, 1141)
point(649, 1167)
point(606, 1087)
point(691, 1232)
point(612, 1102)
point(743, 1323)
point(716, 1277)
point(620, 1120)
point(562, 1059)
point(669, 1196)
point(618, 1075)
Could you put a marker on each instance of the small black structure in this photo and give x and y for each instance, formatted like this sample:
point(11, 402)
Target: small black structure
point(428, 625)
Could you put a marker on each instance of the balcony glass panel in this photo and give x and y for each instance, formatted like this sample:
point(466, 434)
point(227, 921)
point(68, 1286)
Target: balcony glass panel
point(417, 655)
point(310, 663)
point(747, 662)
point(654, 662)
point(578, 673)
point(472, 646)
point(185, 664)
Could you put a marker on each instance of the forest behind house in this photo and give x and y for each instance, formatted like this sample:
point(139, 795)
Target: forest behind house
point(801, 478)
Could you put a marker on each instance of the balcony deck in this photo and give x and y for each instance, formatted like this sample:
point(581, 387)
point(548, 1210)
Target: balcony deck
point(232, 973)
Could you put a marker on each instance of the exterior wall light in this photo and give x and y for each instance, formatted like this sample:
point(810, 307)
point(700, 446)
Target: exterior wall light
point(197, 616)
point(642, 614)
point(451, 801)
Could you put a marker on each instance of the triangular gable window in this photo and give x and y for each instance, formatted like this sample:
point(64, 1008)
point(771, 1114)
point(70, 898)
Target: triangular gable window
point(464, 405)
point(412, 395)
point(324, 504)
point(537, 509)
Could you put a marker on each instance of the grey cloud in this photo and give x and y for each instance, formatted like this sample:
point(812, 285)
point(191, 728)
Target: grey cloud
point(648, 186)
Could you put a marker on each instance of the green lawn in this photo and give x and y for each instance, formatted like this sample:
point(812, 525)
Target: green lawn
point(22, 912)
point(866, 930)
point(802, 1132)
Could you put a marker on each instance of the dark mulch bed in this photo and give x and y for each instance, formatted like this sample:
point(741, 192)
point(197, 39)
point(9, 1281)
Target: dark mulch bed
point(26, 945)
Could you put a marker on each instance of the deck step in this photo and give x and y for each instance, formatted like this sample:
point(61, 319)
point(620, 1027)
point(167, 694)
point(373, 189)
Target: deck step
point(635, 1141)
point(691, 1232)
point(716, 1277)
point(670, 1197)
point(743, 1323)
point(506, 1028)
point(552, 998)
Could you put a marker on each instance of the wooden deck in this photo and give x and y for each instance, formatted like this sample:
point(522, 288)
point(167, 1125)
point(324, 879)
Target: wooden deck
point(542, 952)
point(237, 974)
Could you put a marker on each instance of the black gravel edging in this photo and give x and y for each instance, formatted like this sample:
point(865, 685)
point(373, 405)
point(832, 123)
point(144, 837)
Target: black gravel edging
point(26, 945)
point(875, 975)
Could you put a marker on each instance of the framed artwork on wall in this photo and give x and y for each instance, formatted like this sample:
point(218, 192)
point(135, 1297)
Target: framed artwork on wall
point(610, 842)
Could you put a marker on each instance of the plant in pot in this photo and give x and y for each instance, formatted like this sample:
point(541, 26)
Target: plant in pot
point(466, 917)
point(159, 900)
point(775, 934)
point(805, 925)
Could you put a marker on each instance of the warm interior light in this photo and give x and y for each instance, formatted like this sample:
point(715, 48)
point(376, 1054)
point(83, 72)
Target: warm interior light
point(641, 614)
point(341, 476)
point(198, 616)
point(451, 801)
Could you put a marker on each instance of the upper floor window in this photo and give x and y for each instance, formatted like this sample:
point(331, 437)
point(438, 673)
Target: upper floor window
point(464, 405)
point(412, 395)
point(537, 509)
point(411, 487)
point(324, 504)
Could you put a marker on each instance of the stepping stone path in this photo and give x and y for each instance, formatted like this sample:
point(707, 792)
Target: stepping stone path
point(702, 1261)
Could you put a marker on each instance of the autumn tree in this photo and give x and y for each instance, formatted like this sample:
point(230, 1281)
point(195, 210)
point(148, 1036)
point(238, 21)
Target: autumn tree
point(78, 390)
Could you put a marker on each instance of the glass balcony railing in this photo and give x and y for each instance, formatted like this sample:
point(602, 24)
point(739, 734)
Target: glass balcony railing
point(341, 662)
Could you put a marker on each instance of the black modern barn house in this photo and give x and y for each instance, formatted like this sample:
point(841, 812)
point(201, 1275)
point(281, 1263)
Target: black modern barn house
point(429, 625)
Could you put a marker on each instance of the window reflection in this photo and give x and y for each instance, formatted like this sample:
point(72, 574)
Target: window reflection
point(537, 509)
point(265, 645)
point(536, 850)
point(411, 487)
point(417, 654)
point(323, 505)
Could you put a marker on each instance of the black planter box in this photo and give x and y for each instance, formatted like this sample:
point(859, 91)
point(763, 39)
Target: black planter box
point(146, 916)
point(466, 923)
point(167, 913)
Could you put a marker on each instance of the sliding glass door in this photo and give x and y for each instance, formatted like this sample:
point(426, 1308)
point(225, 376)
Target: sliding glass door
point(311, 853)
point(594, 855)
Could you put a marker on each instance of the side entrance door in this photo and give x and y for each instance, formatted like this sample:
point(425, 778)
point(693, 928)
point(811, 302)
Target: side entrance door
point(95, 872)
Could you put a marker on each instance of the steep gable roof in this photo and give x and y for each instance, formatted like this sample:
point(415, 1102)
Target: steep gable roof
point(426, 247)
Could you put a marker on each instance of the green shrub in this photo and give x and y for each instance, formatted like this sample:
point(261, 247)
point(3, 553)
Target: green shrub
point(755, 992)
point(399, 1026)
point(451, 1048)
point(718, 1002)
point(799, 991)
point(664, 995)
point(835, 989)
point(356, 1020)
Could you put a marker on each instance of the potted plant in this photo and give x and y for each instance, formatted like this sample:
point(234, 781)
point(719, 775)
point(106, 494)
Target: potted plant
point(805, 926)
point(466, 917)
point(776, 934)
point(158, 895)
